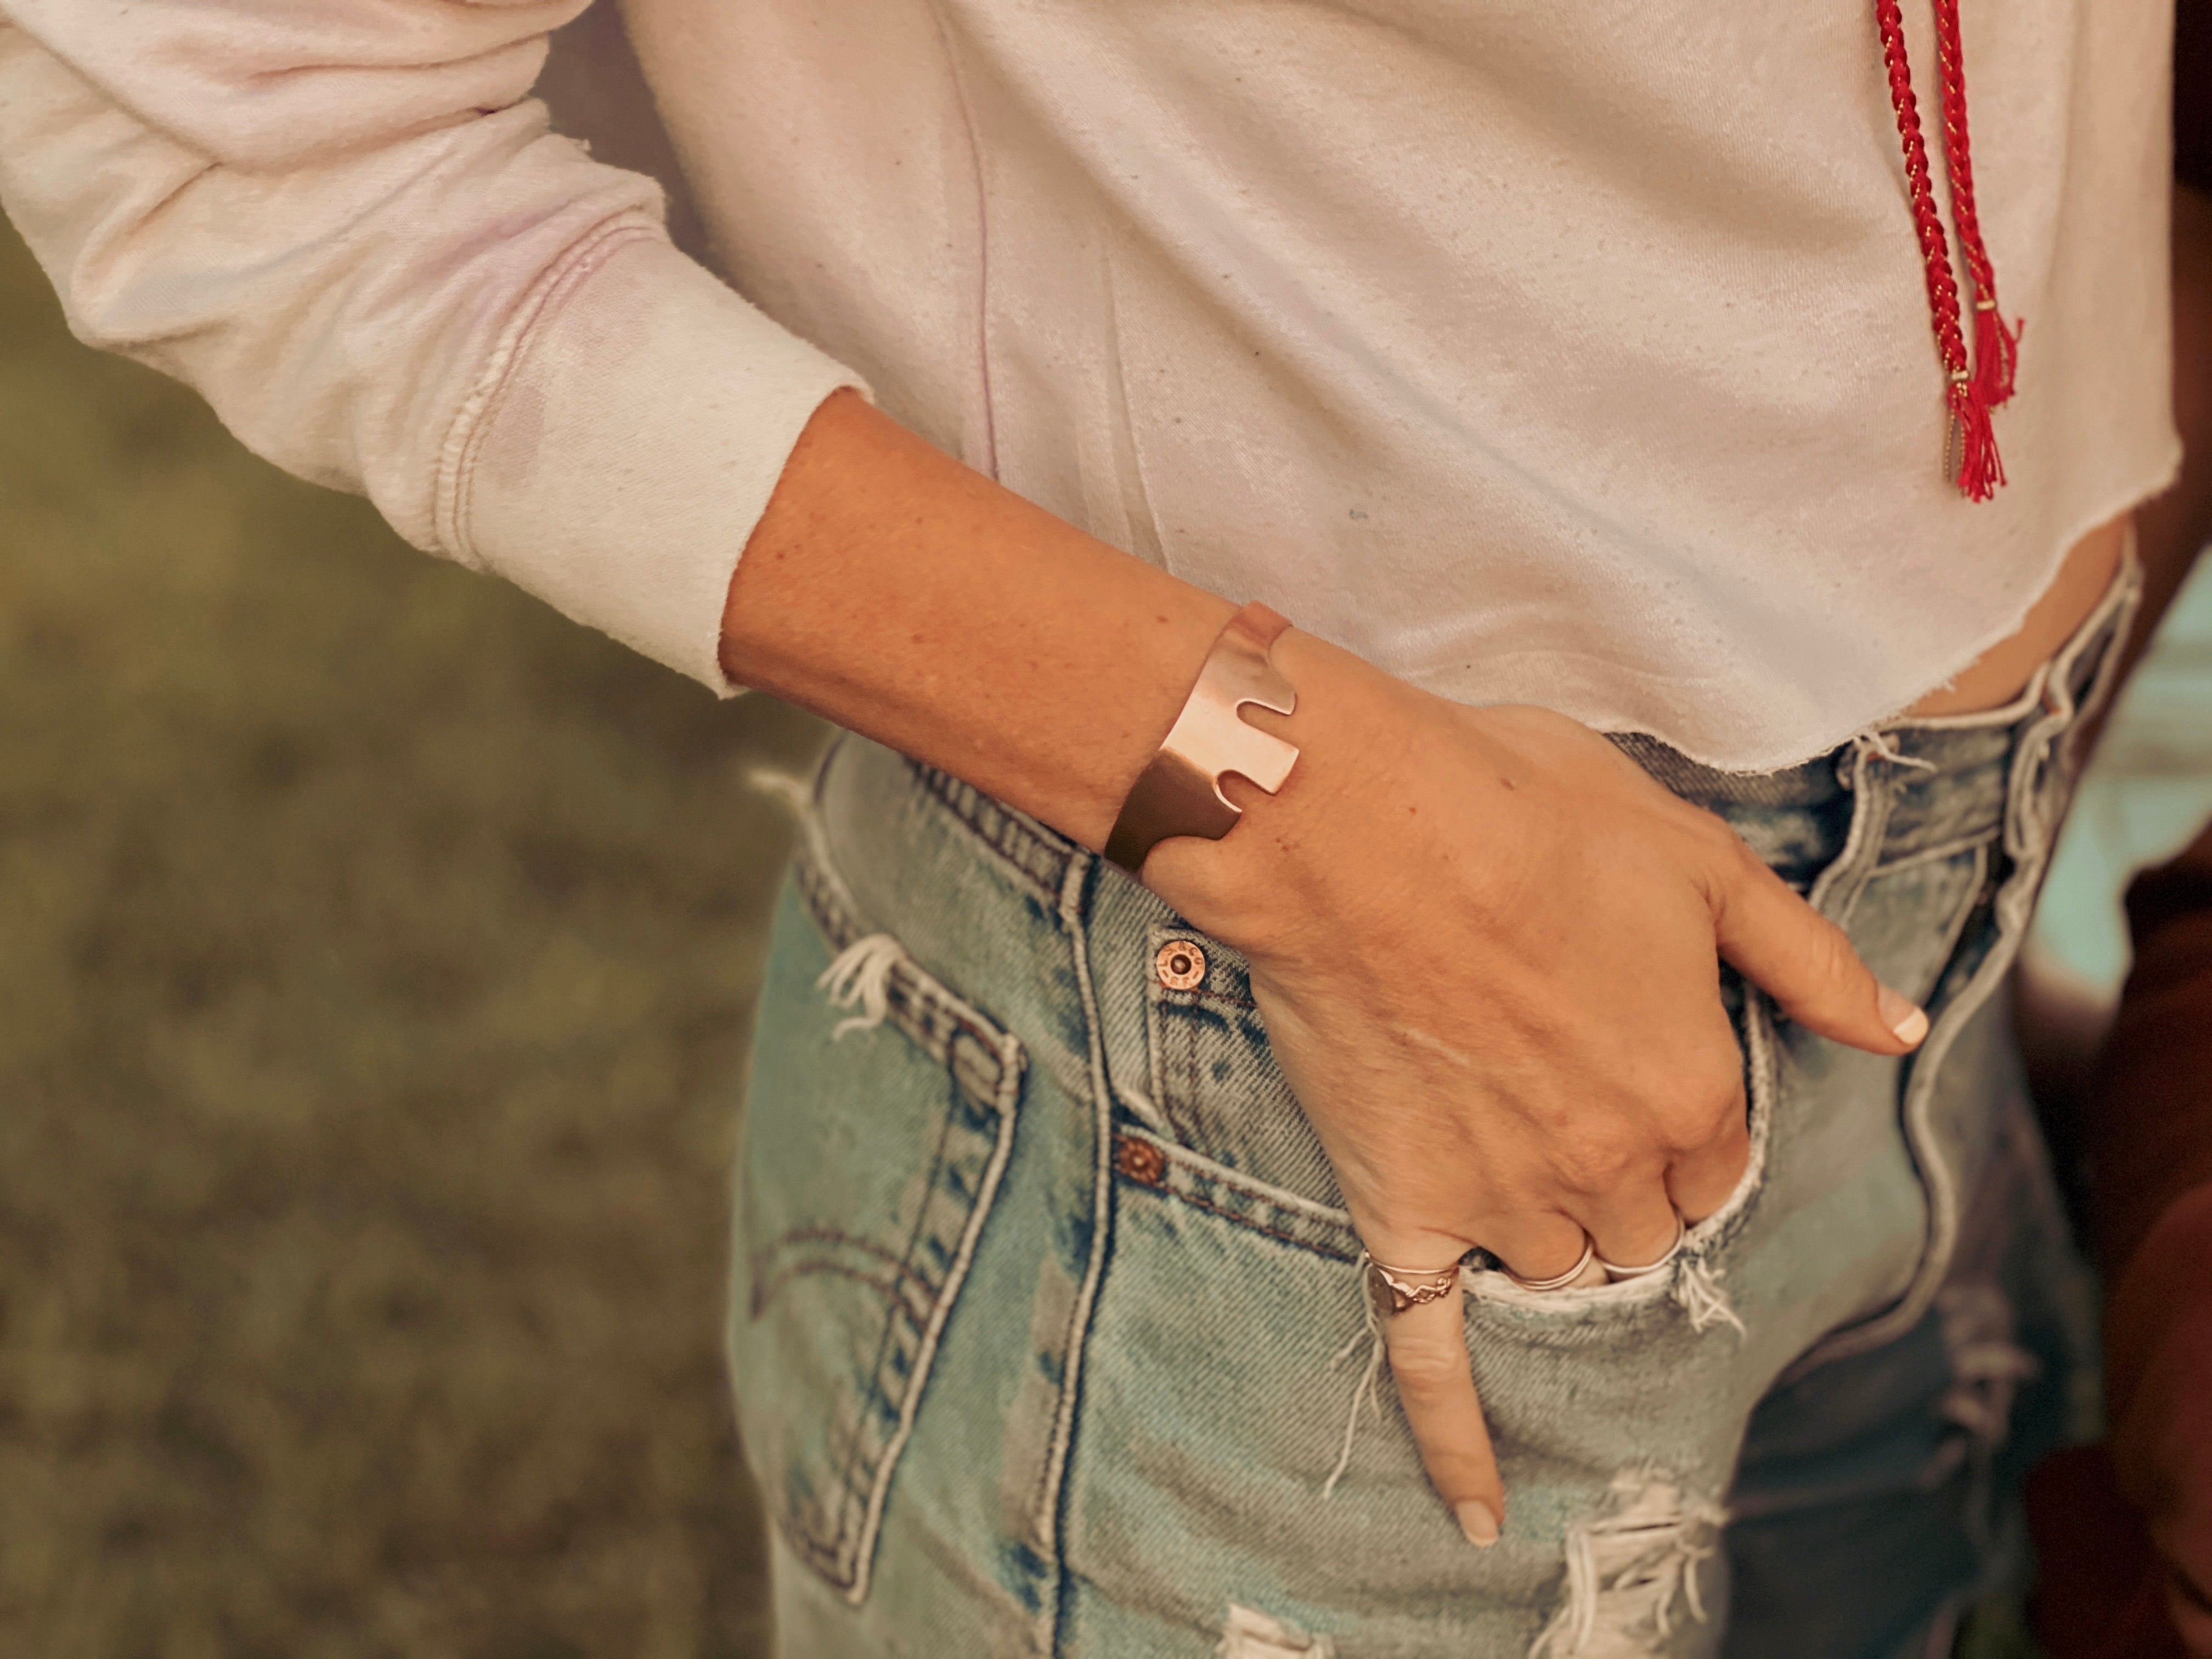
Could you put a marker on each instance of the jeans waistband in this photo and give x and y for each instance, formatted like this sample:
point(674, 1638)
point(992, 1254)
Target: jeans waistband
point(927, 855)
point(1951, 784)
point(1952, 774)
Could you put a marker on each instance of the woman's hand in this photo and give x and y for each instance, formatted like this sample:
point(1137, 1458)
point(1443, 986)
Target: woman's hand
point(1487, 946)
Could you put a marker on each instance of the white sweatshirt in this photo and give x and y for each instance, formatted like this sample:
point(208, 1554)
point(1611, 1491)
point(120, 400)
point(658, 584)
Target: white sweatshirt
point(1574, 354)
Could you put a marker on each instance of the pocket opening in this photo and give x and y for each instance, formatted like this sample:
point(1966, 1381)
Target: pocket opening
point(1226, 1105)
point(1695, 1280)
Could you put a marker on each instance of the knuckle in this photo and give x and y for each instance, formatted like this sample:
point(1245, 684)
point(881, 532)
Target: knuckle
point(1697, 1111)
point(1831, 972)
point(1556, 1118)
point(1728, 852)
point(1428, 1369)
point(1728, 844)
point(1827, 951)
point(1839, 957)
point(1722, 861)
point(1735, 1158)
point(1599, 1159)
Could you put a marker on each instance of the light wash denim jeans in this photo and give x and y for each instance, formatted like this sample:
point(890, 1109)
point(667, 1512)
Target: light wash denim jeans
point(1048, 1332)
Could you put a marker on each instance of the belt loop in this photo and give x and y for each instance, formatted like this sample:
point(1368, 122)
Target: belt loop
point(1873, 792)
point(2047, 764)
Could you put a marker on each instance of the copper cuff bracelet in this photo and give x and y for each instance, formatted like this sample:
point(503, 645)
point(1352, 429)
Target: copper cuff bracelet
point(1179, 791)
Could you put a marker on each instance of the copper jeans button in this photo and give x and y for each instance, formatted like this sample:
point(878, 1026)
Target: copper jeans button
point(1141, 1161)
point(1180, 964)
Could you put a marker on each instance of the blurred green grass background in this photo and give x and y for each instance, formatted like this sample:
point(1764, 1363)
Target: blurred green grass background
point(376, 954)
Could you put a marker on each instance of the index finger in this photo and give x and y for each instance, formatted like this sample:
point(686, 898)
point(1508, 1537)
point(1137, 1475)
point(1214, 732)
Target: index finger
point(1427, 1346)
point(1806, 963)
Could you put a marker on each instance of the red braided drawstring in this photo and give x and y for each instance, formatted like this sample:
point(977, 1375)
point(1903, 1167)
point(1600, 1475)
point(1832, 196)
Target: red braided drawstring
point(1972, 456)
point(1996, 348)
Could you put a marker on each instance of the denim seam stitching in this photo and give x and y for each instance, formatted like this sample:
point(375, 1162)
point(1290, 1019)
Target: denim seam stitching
point(887, 1285)
point(2027, 833)
point(1045, 1510)
point(1954, 936)
point(1200, 994)
point(764, 1261)
point(924, 1360)
point(2027, 837)
point(1188, 1104)
point(1861, 845)
point(914, 994)
point(1139, 1105)
point(1836, 891)
point(1938, 1180)
point(1980, 840)
point(1036, 860)
point(1196, 1202)
point(1181, 1109)
point(1205, 1168)
point(1156, 1059)
point(1176, 1099)
point(855, 1538)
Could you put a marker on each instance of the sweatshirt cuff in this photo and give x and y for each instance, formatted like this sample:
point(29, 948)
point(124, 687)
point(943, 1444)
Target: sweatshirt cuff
point(620, 449)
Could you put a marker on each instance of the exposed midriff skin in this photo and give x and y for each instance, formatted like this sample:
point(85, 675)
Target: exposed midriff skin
point(2000, 673)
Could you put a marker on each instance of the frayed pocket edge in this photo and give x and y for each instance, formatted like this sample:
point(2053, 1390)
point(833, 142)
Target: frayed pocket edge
point(1693, 1280)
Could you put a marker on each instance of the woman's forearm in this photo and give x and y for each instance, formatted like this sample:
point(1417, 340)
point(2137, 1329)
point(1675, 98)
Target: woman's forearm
point(907, 597)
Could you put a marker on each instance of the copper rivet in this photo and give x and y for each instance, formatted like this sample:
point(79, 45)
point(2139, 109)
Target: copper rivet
point(1141, 1161)
point(1180, 964)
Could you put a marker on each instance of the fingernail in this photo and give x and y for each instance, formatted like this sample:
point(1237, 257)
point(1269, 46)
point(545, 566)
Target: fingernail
point(1903, 1016)
point(1477, 1522)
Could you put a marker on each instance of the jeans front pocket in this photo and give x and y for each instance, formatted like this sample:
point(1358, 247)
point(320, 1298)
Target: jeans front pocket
point(874, 1144)
point(1218, 1092)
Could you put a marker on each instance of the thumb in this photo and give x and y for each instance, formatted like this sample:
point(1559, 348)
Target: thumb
point(1806, 963)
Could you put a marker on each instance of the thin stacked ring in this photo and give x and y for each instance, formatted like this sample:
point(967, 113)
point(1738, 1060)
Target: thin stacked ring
point(1557, 1281)
point(1394, 1290)
point(1616, 1271)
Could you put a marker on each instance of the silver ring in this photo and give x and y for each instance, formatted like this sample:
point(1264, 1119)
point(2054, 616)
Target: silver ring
point(1557, 1281)
point(1681, 1232)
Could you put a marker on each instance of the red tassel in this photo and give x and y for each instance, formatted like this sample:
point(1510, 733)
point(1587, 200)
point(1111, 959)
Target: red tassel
point(1980, 381)
point(1974, 443)
point(1996, 355)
